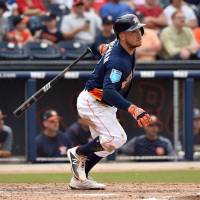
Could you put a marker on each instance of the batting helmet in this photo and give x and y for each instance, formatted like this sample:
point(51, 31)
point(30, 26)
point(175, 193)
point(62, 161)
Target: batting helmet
point(126, 23)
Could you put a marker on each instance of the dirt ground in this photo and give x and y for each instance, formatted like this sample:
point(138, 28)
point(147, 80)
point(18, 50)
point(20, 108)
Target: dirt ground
point(139, 191)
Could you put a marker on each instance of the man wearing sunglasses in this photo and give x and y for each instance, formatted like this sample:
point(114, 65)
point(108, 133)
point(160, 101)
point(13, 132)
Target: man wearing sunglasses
point(149, 144)
point(51, 142)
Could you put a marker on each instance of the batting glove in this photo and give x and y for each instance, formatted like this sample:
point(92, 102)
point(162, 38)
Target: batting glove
point(103, 48)
point(142, 117)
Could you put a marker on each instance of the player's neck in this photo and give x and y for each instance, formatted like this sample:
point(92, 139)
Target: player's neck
point(128, 49)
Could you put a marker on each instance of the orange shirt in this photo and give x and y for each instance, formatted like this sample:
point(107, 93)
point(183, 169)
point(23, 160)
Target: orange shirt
point(150, 43)
point(21, 37)
point(197, 34)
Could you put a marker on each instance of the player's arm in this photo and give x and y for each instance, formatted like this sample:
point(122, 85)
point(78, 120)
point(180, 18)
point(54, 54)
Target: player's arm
point(112, 82)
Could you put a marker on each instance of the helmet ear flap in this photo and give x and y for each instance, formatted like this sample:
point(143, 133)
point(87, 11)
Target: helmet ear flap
point(142, 30)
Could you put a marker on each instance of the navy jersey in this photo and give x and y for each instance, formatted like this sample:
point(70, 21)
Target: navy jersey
point(113, 71)
point(52, 147)
point(141, 146)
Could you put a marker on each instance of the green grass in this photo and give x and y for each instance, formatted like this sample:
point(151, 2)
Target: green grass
point(185, 176)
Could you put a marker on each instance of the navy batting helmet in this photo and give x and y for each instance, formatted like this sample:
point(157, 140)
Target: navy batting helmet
point(126, 23)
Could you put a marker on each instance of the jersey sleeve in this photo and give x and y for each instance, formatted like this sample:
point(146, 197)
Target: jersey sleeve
point(111, 86)
point(114, 75)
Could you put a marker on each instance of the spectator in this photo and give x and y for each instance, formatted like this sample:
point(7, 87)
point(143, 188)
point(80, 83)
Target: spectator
point(196, 32)
point(115, 9)
point(50, 33)
point(78, 133)
point(12, 9)
point(149, 144)
point(151, 46)
point(4, 24)
point(178, 40)
point(6, 138)
point(179, 5)
point(196, 129)
point(97, 4)
point(31, 7)
point(67, 3)
point(78, 24)
point(52, 142)
point(153, 14)
point(20, 35)
point(105, 36)
point(93, 15)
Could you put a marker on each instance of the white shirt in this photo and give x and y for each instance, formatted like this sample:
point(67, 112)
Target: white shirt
point(72, 21)
point(188, 12)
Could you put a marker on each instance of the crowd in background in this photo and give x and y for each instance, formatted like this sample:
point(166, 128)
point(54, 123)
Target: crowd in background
point(172, 28)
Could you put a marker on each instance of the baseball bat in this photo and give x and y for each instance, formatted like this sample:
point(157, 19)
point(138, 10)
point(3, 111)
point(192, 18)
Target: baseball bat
point(36, 96)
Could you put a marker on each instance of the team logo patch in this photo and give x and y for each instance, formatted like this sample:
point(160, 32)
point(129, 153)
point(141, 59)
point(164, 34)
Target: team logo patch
point(115, 76)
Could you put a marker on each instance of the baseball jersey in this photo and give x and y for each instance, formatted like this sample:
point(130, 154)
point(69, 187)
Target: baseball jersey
point(141, 146)
point(113, 71)
point(52, 147)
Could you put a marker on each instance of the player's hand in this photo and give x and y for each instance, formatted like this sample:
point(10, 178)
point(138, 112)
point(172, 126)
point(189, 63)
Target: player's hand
point(142, 117)
point(102, 49)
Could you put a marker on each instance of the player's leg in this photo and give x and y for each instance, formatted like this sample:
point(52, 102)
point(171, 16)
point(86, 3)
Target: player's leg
point(106, 130)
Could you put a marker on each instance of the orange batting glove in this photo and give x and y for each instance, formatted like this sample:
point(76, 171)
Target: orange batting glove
point(103, 48)
point(142, 117)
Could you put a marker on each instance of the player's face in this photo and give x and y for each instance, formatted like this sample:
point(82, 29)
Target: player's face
point(133, 39)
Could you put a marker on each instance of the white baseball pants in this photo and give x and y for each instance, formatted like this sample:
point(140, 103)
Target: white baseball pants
point(102, 122)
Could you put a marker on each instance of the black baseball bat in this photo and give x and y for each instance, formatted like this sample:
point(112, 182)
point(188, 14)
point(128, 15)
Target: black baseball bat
point(36, 96)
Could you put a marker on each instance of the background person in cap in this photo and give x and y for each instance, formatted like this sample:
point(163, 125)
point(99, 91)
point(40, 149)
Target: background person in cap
point(50, 32)
point(6, 138)
point(149, 144)
point(104, 93)
point(51, 142)
point(105, 36)
point(21, 34)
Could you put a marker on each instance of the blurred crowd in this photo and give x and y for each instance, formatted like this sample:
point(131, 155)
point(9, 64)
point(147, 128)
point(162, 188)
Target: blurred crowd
point(172, 28)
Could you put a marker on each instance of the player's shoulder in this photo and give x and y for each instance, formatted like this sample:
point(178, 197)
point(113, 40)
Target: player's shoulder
point(114, 56)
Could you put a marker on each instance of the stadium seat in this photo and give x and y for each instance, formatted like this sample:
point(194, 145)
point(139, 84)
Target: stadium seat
point(10, 51)
point(40, 50)
point(72, 49)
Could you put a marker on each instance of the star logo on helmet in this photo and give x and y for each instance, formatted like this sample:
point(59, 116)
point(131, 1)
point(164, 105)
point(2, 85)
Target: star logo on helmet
point(135, 20)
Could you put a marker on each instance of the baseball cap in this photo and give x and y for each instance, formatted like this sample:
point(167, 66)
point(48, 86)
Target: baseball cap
point(51, 115)
point(196, 113)
point(78, 2)
point(49, 17)
point(107, 20)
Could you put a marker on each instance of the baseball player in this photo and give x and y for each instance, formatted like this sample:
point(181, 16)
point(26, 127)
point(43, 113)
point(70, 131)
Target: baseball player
point(104, 93)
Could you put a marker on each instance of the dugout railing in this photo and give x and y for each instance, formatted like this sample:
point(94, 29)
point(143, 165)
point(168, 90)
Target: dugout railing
point(31, 72)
